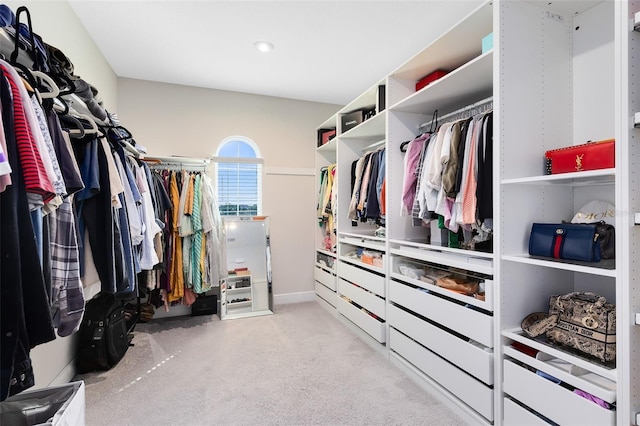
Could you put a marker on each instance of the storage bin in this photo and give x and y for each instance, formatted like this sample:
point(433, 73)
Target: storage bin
point(325, 278)
point(369, 280)
point(205, 305)
point(474, 360)
point(62, 405)
point(465, 387)
point(364, 298)
point(366, 322)
point(464, 320)
point(553, 401)
point(326, 294)
point(352, 119)
point(514, 414)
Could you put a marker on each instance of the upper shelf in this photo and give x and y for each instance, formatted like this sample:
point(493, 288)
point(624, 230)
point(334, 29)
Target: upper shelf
point(328, 147)
point(372, 129)
point(463, 86)
point(365, 100)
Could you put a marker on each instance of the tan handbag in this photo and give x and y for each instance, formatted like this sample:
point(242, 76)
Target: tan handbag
point(586, 322)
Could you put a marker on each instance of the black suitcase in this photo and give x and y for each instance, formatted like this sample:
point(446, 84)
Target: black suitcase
point(103, 339)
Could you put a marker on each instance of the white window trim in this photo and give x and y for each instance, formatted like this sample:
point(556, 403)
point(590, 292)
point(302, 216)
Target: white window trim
point(258, 160)
point(237, 160)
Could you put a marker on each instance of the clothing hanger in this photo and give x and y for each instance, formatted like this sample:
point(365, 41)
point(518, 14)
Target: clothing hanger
point(60, 106)
point(151, 160)
point(76, 132)
point(16, 47)
point(54, 91)
point(76, 104)
point(69, 85)
point(434, 122)
point(94, 127)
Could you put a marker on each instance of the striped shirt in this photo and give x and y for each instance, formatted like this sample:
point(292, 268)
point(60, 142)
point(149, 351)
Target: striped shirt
point(35, 176)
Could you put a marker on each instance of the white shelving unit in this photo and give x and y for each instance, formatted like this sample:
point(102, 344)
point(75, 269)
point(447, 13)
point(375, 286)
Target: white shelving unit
point(560, 73)
point(237, 296)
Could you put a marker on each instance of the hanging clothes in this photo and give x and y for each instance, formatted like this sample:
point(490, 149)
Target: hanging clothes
point(447, 174)
point(55, 190)
point(366, 184)
point(326, 205)
point(194, 259)
point(25, 319)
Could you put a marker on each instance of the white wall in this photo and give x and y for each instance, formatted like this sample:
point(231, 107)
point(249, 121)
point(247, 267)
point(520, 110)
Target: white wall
point(179, 120)
point(59, 26)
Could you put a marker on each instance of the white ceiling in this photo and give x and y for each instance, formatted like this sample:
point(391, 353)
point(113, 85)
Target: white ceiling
point(325, 51)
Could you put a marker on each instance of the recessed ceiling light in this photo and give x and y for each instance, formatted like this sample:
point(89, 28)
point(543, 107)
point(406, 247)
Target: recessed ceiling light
point(263, 46)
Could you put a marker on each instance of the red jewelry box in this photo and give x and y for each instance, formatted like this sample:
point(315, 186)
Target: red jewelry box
point(578, 158)
point(424, 81)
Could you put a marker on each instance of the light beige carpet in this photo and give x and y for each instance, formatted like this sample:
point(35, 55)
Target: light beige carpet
point(300, 366)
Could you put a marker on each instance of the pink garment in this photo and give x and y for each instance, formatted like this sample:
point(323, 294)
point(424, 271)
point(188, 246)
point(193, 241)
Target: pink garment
point(410, 182)
point(469, 201)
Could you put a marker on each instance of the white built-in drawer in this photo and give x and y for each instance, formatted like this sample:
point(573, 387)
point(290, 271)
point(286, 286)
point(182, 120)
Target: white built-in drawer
point(372, 326)
point(553, 401)
point(326, 278)
point(516, 415)
point(465, 387)
point(369, 280)
point(364, 298)
point(327, 294)
point(466, 321)
point(472, 359)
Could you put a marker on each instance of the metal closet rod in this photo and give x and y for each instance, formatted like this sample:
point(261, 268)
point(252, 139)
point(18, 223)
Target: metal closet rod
point(178, 166)
point(487, 102)
point(180, 160)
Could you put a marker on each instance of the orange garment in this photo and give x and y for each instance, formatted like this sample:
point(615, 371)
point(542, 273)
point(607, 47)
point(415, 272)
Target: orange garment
point(176, 276)
point(188, 204)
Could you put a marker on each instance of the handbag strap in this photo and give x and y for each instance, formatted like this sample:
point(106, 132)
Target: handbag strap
point(535, 324)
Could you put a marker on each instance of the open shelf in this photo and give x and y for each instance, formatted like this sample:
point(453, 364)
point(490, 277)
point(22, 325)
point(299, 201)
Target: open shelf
point(605, 268)
point(586, 178)
point(463, 86)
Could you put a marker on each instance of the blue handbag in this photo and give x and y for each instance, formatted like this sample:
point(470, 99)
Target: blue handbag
point(565, 241)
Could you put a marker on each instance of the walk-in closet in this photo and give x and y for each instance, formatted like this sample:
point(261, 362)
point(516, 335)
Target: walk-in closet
point(287, 213)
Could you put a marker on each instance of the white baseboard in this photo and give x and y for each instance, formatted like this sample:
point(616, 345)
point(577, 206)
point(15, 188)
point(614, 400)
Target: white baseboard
point(303, 296)
point(66, 375)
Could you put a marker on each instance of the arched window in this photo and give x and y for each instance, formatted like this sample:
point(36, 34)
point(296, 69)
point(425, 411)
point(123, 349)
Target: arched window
point(239, 177)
